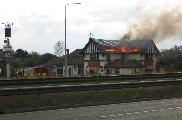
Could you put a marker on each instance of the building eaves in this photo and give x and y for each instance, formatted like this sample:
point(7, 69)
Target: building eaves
point(103, 45)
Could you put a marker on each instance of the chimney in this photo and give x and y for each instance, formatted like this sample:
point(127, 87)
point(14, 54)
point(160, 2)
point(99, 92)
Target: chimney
point(67, 51)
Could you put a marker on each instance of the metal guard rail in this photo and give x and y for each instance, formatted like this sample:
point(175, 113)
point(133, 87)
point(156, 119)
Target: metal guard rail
point(86, 87)
point(86, 79)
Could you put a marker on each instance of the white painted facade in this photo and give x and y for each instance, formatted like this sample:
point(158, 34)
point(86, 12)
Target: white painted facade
point(72, 70)
point(86, 68)
point(126, 71)
point(115, 56)
point(87, 57)
point(104, 58)
point(134, 57)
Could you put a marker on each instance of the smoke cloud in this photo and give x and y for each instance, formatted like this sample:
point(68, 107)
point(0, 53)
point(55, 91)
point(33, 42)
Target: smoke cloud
point(166, 24)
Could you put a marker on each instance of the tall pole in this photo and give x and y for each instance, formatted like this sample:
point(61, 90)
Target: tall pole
point(66, 70)
point(66, 73)
point(8, 60)
point(103, 66)
point(7, 49)
point(8, 69)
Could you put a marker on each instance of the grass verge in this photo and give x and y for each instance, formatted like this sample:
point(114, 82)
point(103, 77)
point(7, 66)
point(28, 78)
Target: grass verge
point(22, 103)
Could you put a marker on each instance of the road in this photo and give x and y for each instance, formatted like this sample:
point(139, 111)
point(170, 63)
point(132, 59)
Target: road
point(167, 109)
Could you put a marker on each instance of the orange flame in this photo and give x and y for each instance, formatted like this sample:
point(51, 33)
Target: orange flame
point(122, 50)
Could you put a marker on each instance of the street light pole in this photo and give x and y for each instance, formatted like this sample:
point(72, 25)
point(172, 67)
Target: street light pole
point(66, 70)
point(65, 46)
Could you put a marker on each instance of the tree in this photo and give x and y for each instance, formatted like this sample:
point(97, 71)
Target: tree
point(18, 62)
point(35, 59)
point(1, 54)
point(2, 60)
point(59, 48)
point(172, 56)
point(47, 56)
point(20, 53)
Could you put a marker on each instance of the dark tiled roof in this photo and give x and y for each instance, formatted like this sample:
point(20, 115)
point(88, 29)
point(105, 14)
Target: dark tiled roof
point(126, 43)
point(106, 44)
point(51, 63)
point(71, 60)
point(142, 44)
point(124, 64)
point(76, 52)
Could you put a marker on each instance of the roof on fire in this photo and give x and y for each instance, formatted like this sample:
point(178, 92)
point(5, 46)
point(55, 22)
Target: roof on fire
point(106, 44)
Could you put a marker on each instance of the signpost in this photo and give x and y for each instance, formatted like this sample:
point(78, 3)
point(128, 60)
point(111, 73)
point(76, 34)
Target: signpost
point(7, 49)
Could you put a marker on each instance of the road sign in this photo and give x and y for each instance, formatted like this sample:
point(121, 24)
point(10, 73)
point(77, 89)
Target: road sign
point(7, 32)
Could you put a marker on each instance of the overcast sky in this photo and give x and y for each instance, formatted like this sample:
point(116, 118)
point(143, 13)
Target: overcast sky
point(39, 24)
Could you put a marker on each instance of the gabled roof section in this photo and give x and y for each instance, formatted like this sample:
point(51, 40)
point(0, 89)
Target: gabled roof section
point(76, 52)
point(139, 45)
point(104, 44)
point(107, 43)
point(143, 44)
point(101, 44)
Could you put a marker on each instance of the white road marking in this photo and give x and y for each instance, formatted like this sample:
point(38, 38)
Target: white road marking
point(92, 106)
point(112, 115)
point(153, 110)
point(136, 112)
point(144, 101)
point(120, 114)
point(103, 116)
point(145, 111)
point(128, 113)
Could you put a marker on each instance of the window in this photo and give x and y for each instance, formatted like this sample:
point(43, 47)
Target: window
point(108, 57)
point(123, 57)
point(92, 71)
point(60, 71)
point(94, 56)
point(80, 69)
point(148, 57)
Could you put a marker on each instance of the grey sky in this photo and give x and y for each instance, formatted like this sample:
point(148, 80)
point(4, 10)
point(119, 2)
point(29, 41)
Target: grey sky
point(38, 24)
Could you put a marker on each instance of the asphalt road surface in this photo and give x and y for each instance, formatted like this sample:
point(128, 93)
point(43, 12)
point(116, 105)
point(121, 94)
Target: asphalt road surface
point(167, 109)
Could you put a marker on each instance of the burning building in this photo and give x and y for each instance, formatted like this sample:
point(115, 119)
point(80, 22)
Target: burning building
point(120, 57)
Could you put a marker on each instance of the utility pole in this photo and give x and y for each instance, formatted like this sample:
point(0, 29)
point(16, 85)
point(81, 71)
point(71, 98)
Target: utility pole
point(66, 71)
point(66, 51)
point(104, 56)
point(7, 49)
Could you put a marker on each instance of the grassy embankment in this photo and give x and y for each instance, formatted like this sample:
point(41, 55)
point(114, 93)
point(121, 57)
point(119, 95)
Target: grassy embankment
point(9, 104)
